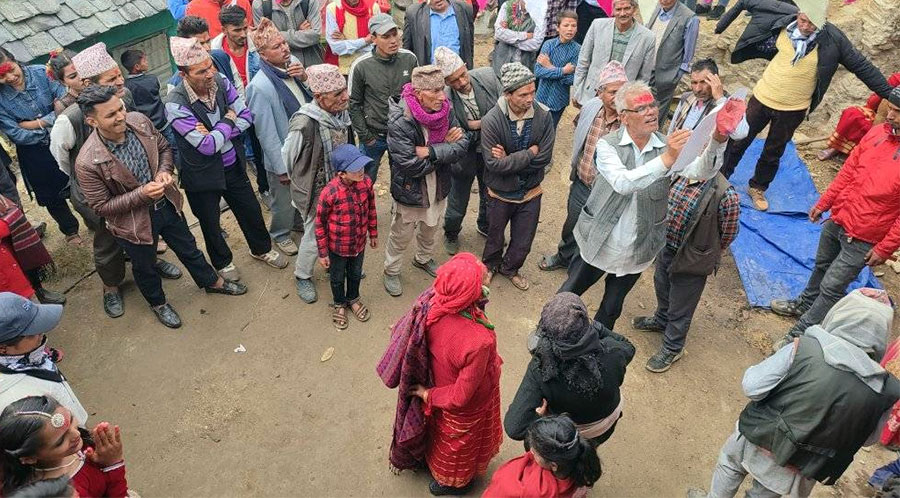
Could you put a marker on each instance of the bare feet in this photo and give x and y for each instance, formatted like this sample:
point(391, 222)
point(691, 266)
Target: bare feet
point(826, 154)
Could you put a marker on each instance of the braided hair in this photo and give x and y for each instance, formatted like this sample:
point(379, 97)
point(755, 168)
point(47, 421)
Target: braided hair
point(556, 440)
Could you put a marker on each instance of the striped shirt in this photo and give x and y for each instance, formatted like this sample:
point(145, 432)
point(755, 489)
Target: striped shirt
point(218, 139)
point(553, 91)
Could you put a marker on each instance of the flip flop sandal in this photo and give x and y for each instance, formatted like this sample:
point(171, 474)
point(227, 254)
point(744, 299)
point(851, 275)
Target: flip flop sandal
point(519, 282)
point(546, 266)
point(339, 317)
point(361, 312)
point(75, 240)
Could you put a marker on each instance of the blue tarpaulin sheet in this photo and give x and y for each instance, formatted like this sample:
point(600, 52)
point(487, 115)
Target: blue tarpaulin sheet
point(775, 250)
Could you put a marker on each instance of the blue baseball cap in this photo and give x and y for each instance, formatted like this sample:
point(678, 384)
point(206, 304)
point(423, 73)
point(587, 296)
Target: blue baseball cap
point(20, 317)
point(346, 157)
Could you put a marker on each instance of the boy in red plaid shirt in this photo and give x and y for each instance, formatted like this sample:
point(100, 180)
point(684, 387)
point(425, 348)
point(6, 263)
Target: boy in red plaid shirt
point(344, 216)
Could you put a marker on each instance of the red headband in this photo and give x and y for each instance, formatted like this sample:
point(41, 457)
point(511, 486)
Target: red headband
point(6, 67)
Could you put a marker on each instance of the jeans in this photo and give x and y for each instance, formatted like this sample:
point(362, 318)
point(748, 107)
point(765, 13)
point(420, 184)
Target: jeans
point(172, 227)
point(782, 125)
point(375, 152)
point(677, 297)
point(568, 248)
point(282, 211)
point(557, 115)
point(307, 251)
point(239, 195)
point(458, 201)
point(582, 276)
point(522, 220)
point(839, 259)
point(345, 274)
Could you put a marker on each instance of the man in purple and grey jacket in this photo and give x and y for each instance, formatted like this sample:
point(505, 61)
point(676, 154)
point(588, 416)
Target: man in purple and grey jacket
point(208, 116)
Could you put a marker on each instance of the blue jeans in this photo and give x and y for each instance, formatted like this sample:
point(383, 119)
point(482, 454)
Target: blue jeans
point(557, 115)
point(375, 152)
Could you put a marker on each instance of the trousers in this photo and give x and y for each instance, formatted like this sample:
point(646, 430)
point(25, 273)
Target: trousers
point(677, 297)
point(172, 227)
point(109, 259)
point(458, 201)
point(239, 195)
point(839, 259)
point(345, 274)
point(401, 234)
point(582, 276)
point(567, 247)
point(730, 473)
point(522, 220)
point(307, 251)
point(282, 212)
point(782, 125)
point(375, 152)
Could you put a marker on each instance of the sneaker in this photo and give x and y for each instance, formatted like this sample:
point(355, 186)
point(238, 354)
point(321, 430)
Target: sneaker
point(788, 338)
point(287, 246)
point(230, 273)
point(430, 267)
point(716, 13)
point(697, 492)
point(787, 307)
point(306, 289)
point(392, 285)
point(646, 323)
point(113, 304)
point(272, 258)
point(662, 360)
point(759, 198)
point(265, 199)
point(451, 244)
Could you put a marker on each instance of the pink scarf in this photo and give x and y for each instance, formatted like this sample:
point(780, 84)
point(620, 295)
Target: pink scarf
point(437, 123)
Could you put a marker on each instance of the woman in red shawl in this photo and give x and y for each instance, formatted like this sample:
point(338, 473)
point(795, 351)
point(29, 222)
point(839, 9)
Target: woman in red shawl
point(463, 406)
point(855, 122)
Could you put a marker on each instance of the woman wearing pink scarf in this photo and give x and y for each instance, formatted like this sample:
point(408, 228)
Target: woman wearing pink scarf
point(424, 142)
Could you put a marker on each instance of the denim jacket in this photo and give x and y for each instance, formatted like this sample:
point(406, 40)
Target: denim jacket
point(35, 102)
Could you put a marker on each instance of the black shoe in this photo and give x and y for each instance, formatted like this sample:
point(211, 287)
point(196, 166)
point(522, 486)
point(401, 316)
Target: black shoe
point(167, 315)
point(41, 230)
point(438, 490)
point(646, 323)
point(451, 244)
point(167, 270)
point(113, 304)
point(701, 9)
point(716, 13)
point(47, 296)
point(228, 288)
point(662, 360)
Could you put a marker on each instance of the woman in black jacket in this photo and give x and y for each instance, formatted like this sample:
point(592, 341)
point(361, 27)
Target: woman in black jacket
point(577, 368)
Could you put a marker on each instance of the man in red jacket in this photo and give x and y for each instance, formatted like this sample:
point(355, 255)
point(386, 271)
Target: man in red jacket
point(864, 228)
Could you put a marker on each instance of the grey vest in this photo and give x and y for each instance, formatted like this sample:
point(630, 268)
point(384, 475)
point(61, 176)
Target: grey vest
point(818, 417)
point(605, 206)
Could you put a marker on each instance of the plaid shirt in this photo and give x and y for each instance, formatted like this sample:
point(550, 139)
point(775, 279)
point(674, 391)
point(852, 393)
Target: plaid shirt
point(345, 214)
point(683, 199)
point(554, 7)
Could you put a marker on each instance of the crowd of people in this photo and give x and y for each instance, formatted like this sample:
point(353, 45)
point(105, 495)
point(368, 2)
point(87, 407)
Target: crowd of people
point(309, 96)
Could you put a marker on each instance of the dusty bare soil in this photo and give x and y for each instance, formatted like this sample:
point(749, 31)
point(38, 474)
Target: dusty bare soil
point(200, 419)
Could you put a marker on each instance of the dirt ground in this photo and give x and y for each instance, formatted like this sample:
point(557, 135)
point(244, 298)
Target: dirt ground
point(200, 419)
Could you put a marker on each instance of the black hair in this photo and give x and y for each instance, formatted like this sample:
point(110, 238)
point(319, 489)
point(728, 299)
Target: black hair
point(20, 437)
point(556, 440)
point(93, 95)
point(58, 62)
point(232, 15)
point(131, 57)
point(567, 14)
point(190, 26)
point(707, 64)
point(59, 487)
point(7, 56)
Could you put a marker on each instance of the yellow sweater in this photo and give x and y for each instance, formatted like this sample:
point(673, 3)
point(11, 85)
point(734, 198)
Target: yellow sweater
point(784, 87)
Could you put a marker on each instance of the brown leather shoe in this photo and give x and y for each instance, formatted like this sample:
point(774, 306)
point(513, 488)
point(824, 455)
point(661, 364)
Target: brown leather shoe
point(759, 198)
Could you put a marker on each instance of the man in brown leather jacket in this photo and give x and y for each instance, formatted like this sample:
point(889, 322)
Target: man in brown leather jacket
point(125, 171)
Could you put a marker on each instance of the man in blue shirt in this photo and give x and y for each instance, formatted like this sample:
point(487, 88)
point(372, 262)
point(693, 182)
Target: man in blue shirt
point(555, 67)
point(440, 23)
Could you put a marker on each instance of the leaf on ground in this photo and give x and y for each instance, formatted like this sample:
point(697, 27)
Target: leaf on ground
point(327, 354)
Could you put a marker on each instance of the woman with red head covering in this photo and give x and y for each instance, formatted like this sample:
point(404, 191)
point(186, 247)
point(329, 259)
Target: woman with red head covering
point(453, 417)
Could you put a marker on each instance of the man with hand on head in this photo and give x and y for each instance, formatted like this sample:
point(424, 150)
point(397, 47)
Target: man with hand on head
point(125, 168)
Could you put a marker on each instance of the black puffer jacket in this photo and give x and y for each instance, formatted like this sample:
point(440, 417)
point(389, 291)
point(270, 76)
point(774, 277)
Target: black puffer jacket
point(770, 17)
point(408, 171)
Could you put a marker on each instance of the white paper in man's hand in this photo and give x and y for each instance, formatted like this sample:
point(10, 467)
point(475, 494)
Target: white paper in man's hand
point(702, 135)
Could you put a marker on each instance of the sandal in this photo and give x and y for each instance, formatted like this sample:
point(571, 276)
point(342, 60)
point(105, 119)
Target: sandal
point(550, 263)
point(519, 282)
point(74, 239)
point(360, 311)
point(339, 317)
